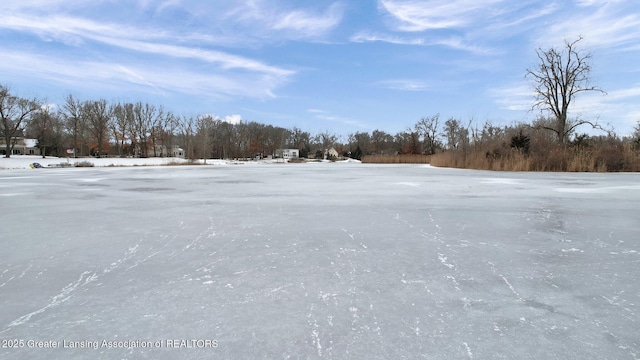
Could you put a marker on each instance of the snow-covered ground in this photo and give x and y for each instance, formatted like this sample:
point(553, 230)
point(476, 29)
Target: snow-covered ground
point(304, 261)
point(25, 162)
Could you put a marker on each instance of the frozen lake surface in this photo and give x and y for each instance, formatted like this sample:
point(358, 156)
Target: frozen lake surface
point(305, 261)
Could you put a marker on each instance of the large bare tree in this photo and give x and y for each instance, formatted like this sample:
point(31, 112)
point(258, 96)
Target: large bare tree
point(98, 115)
point(326, 139)
point(300, 140)
point(382, 142)
point(203, 131)
point(428, 128)
point(560, 75)
point(15, 112)
point(75, 123)
point(121, 124)
point(46, 127)
point(187, 127)
point(456, 133)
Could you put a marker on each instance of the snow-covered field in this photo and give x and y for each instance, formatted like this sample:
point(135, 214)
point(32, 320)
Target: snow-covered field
point(326, 260)
point(24, 162)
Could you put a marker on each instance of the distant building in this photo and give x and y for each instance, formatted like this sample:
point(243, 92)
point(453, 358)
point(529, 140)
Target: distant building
point(21, 146)
point(332, 153)
point(164, 151)
point(177, 151)
point(288, 153)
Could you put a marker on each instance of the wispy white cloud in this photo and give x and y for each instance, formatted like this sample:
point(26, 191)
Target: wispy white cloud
point(327, 116)
point(517, 97)
point(267, 19)
point(603, 24)
point(225, 60)
point(167, 4)
point(625, 94)
point(403, 84)
point(368, 36)
point(465, 25)
point(81, 30)
point(586, 3)
point(217, 22)
point(419, 15)
point(153, 77)
point(452, 42)
point(458, 43)
point(209, 32)
point(42, 5)
point(516, 21)
point(225, 70)
point(308, 24)
point(620, 105)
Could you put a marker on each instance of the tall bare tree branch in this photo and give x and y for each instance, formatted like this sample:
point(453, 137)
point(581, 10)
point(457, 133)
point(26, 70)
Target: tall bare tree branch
point(561, 74)
point(15, 112)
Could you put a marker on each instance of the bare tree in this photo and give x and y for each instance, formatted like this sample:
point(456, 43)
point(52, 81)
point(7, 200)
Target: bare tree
point(46, 127)
point(187, 127)
point(360, 140)
point(276, 138)
point(228, 138)
point(326, 140)
point(121, 124)
point(256, 138)
point(146, 116)
point(239, 135)
point(428, 128)
point(169, 127)
point(74, 123)
point(382, 142)
point(456, 134)
point(203, 128)
point(156, 123)
point(15, 112)
point(408, 142)
point(300, 140)
point(560, 75)
point(491, 133)
point(98, 115)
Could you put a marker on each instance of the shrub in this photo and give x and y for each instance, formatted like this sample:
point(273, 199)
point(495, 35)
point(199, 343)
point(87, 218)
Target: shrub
point(521, 142)
point(84, 164)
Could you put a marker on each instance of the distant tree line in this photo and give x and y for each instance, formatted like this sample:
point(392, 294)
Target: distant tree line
point(98, 128)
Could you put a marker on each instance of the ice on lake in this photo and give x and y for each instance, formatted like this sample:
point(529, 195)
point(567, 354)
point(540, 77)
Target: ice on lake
point(305, 261)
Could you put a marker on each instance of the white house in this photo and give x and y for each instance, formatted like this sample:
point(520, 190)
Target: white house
point(21, 146)
point(177, 151)
point(164, 151)
point(288, 153)
point(332, 153)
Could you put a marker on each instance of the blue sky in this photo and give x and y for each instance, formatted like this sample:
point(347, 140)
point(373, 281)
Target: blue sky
point(341, 66)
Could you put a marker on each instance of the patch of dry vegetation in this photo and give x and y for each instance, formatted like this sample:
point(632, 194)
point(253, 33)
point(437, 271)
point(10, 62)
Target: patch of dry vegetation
point(541, 153)
point(397, 159)
point(183, 163)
